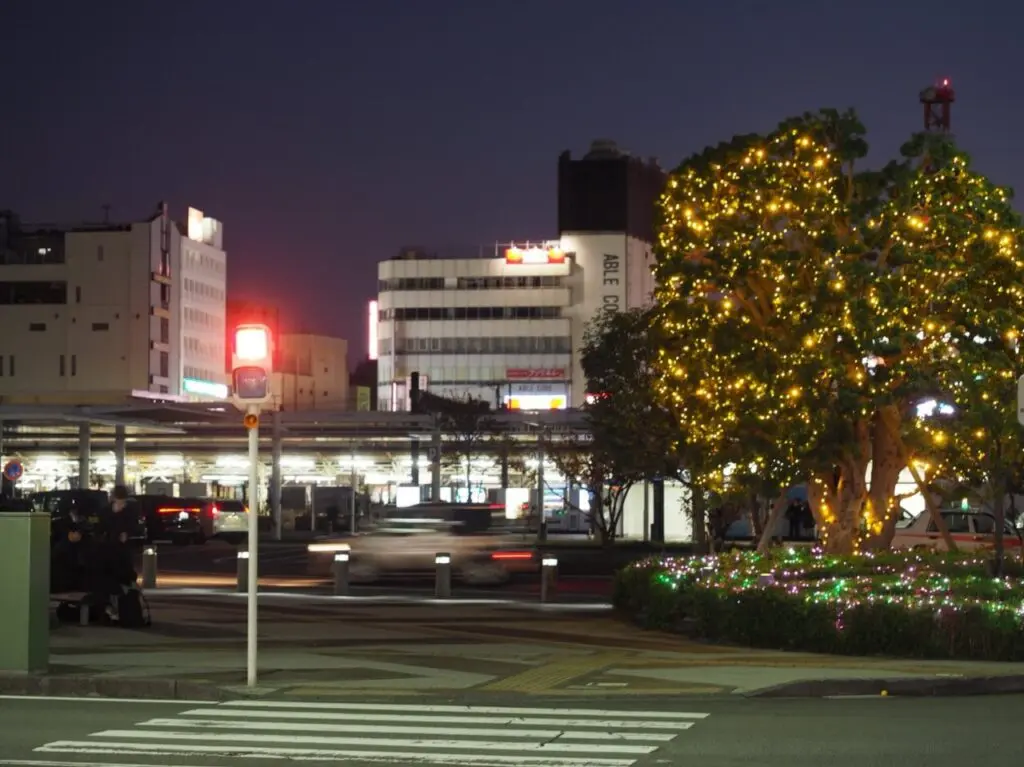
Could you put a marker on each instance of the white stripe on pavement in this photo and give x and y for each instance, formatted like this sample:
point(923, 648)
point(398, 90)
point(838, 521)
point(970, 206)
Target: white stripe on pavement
point(85, 699)
point(428, 729)
point(452, 745)
point(396, 734)
point(501, 721)
point(317, 755)
point(622, 714)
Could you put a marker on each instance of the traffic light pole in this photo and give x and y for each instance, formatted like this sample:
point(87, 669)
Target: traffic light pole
point(254, 548)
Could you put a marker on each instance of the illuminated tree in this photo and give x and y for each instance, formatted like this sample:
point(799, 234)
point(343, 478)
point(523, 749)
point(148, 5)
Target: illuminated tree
point(795, 310)
point(969, 340)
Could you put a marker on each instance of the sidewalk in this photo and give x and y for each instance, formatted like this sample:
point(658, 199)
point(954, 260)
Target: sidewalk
point(324, 647)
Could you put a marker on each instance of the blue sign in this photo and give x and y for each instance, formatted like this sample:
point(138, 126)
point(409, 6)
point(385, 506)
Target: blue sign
point(13, 470)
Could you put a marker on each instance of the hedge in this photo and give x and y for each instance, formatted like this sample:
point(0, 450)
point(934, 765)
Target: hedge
point(900, 604)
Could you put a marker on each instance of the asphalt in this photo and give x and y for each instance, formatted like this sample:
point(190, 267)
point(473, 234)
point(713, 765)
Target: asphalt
point(563, 732)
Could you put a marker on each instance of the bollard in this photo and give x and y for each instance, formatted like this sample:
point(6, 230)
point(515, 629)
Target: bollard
point(340, 573)
point(149, 568)
point(548, 577)
point(242, 576)
point(443, 579)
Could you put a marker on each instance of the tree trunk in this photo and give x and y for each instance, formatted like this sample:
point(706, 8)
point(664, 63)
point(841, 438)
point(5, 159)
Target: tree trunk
point(999, 508)
point(882, 509)
point(773, 520)
point(699, 519)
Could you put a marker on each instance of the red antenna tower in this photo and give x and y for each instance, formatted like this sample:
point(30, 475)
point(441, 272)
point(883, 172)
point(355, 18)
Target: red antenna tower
point(937, 100)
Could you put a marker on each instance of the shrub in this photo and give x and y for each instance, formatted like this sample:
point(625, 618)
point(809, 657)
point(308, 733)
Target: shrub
point(904, 604)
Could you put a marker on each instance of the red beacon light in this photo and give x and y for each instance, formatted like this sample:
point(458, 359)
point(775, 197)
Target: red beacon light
point(251, 366)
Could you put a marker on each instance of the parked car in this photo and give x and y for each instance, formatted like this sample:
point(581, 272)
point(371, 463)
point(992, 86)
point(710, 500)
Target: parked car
point(169, 519)
point(87, 505)
point(225, 519)
point(970, 530)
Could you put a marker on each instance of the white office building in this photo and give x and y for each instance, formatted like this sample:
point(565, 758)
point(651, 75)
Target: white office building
point(95, 313)
point(506, 325)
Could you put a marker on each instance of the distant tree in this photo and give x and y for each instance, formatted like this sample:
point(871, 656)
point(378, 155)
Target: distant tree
point(635, 436)
point(469, 425)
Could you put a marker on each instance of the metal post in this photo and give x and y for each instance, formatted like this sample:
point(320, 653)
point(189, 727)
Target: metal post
point(275, 474)
point(120, 456)
point(647, 511)
point(542, 524)
point(341, 573)
point(548, 578)
point(435, 463)
point(149, 568)
point(242, 571)
point(84, 456)
point(254, 548)
point(443, 577)
point(353, 480)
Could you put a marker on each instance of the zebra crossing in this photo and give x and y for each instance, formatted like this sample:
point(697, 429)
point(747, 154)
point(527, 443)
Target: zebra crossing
point(382, 733)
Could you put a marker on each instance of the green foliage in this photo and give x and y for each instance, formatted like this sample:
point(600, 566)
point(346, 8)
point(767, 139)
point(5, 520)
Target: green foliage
point(911, 604)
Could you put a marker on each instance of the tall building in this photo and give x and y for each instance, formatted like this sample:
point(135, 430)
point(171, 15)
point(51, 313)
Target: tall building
point(507, 325)
point(96, 312)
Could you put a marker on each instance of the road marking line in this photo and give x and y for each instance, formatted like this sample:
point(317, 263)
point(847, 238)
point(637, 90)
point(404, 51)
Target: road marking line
point(511, 711)
point(371, 729)
point(310, 754)
point(84, 699)
point(451, 745)
point(492, 720)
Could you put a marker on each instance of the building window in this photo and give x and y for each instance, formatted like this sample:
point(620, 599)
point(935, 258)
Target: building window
point(165, 296)
point(48, 293)
point(78, 294)
point(472, 313)
point(37, 327)
point(74, 364)
point(165, 365)
point(164, 389)
point(101, 326)
point(165, 330)
point(62, 371)
point(10, 364)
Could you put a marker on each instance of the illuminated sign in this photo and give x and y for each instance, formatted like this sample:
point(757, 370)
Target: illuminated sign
point(536, 402)
point(519, 374)
point(205, 388)
point(534, 256)
point(251, 383)
point(201, 228)
point(372, 340)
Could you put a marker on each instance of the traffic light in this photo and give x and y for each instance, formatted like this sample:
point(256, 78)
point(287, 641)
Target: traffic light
point(252, 357)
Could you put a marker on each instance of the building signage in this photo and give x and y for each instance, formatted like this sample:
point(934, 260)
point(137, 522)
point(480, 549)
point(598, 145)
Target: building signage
point(611, 281)
point(534, 256)
point(205, 388)
point(527, 374)
point(537, 388)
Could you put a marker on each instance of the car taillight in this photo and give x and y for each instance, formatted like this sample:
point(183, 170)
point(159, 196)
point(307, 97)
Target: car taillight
point(175, 510)
point(512, 555)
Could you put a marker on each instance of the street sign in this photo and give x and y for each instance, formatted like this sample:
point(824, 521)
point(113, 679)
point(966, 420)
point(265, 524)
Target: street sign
point(13, 470)
point(1020, 400)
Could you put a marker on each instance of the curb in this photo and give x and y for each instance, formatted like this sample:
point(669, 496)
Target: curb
point(106, 687)
point(922, 687)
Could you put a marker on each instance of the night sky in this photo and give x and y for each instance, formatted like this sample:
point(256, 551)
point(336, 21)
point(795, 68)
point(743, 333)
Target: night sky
point(326, 134)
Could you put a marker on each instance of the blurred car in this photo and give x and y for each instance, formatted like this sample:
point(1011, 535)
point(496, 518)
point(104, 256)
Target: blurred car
point(970, 530)
point(406, 542)
point(225, 519)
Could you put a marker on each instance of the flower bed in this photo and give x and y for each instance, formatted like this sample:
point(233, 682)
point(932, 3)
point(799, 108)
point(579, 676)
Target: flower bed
point(906, 604)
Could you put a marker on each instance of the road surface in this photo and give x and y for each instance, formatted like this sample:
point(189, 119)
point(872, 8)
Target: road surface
point(503, 731)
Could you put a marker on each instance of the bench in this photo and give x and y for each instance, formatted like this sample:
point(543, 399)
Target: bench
point(76, 599)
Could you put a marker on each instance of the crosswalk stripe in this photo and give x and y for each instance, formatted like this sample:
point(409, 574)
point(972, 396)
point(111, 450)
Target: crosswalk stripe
point(317, 755)
point(462, 709)
point(482, 732)
point(396, 734)
point(497, 720)
point(454, 745)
